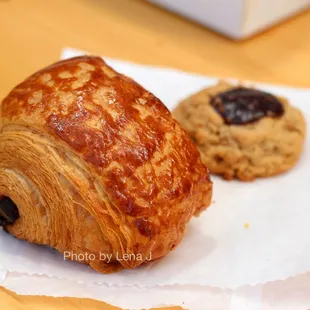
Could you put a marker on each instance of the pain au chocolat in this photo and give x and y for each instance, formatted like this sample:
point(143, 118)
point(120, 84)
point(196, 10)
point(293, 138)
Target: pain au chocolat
point(91, 162)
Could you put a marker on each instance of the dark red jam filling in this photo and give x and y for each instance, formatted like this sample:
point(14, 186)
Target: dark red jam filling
point(240, 106)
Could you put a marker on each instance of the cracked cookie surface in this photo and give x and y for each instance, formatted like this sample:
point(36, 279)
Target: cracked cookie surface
point(267, 147)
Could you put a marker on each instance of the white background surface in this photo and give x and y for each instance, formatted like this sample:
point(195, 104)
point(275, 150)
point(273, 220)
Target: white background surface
point(236, 18)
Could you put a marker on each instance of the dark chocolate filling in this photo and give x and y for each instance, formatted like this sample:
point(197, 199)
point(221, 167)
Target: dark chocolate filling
point(8, 211)
point(241, 105)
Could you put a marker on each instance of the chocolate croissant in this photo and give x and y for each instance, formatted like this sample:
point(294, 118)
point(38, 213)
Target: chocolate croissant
point(92, 163)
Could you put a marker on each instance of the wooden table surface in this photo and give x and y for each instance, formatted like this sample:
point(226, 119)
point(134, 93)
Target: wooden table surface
point(33, 32)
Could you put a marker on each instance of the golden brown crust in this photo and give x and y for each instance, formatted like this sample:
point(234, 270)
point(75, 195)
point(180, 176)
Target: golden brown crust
point(130, 170)
point(263, 148)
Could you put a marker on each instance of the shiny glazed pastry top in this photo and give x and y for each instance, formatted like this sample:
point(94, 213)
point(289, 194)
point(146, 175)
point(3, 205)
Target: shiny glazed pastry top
point(96, 164)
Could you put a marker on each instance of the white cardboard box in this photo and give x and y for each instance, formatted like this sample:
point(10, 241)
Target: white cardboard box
point(236, 18)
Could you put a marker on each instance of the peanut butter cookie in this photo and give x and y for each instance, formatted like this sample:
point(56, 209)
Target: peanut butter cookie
point(242, 132)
